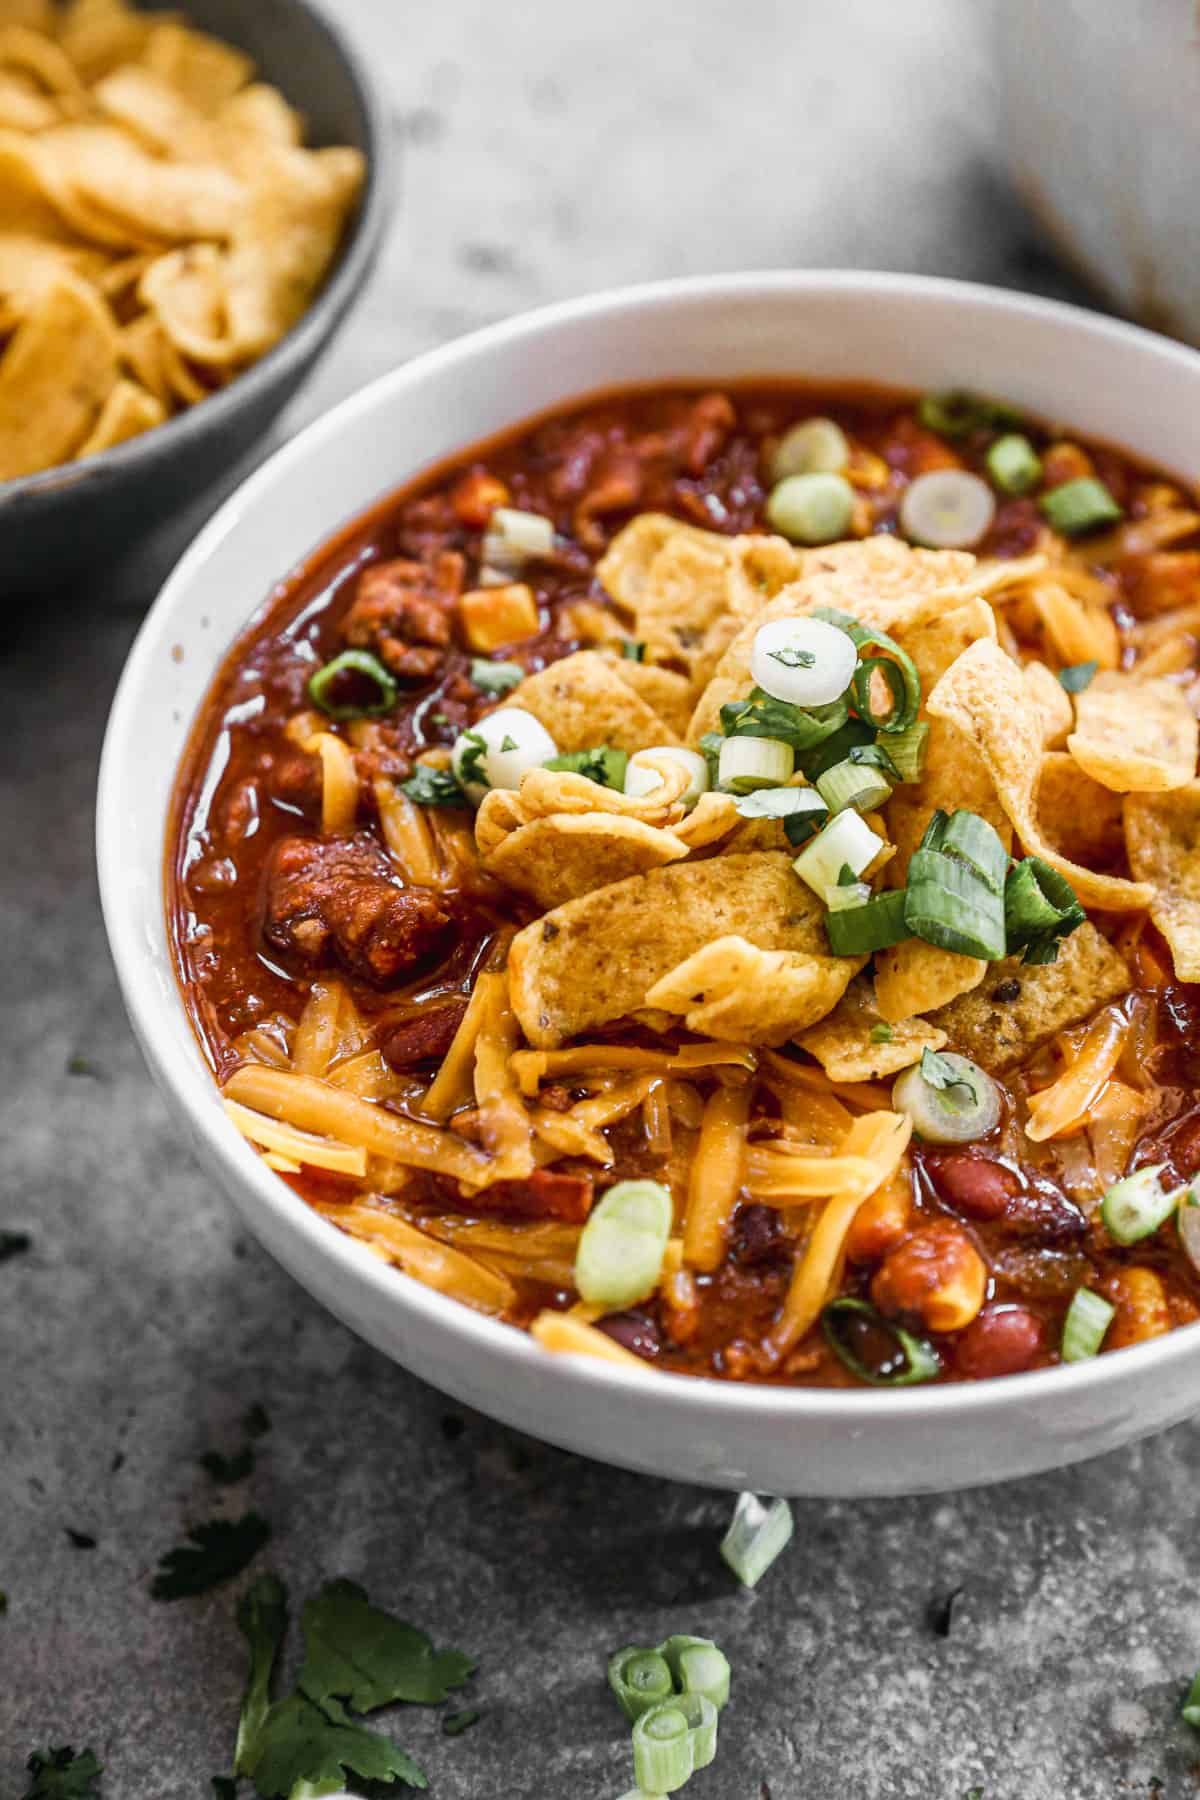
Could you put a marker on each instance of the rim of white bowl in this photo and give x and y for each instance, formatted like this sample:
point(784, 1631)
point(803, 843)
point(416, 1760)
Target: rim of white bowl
point(199, 1099)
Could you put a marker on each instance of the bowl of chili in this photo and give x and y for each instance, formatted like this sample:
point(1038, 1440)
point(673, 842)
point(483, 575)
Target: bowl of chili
point(388, 1051)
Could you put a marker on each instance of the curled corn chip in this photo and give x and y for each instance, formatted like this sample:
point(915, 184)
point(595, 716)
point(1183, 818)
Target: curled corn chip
point(845, 1049)
point(1079, 817)
point(55, 375)
point(583, 702)
point(558, 858)
point(1053, 704)
point(982, 693)
point(916, 977)
point(730, 989)
point(1162, 836)
point(1134, 735)
point(128, 411)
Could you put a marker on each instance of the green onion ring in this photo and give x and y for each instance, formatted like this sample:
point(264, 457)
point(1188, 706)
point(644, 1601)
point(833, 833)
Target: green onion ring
point(921, 1360)
point(353, 662)
point(867, 637)
point(640, 1679)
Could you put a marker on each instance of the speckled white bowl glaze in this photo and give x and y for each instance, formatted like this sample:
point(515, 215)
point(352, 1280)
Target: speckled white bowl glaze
point(1106, 378)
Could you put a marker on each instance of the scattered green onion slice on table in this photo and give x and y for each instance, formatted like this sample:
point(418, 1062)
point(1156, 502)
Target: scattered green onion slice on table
point(1189, 1712)
point(811, 509)
point(620, 1254)
point(747, 763)
point(846, 842)
point(640, 1679)
point(495, 677)
point(353, 666)
point(907, 750)
point(950, 509)
point(1078, 506)
point(814, 446)
point(956, 413)
point(757, 1534)
point(853, 784)
point(803, 662)
point(1040, 906)
point(1088, 1319)
point(1013, 464)
point(909, 1359)
point(698, 1667)
point(1136, 1206)
point(877, 924)
point(904, 683)
point(672, 1741)
point(949, 1098)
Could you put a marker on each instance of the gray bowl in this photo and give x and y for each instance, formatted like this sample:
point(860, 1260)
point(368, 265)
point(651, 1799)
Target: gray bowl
point(85, 514)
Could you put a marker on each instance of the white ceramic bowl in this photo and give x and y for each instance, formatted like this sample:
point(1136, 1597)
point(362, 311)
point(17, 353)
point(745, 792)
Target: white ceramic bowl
point(1105, 378)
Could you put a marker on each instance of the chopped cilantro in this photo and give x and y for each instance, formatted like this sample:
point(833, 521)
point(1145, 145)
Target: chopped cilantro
point(433, 787)
point(307, 1743)
point(941, 1074)
point(710, 750)
point(763, 716)
point(454, 1724)
point(1077, 676)
point(226, 1470)
point(881, 1034)
point(470, 763)
point(61, 1775)
point(792, 658)
point(601, 764)
point(496, 677)
point(14, 1243)
point(217, 1551)
point(255, 1421)
point(341, 1626)
point(508, 743)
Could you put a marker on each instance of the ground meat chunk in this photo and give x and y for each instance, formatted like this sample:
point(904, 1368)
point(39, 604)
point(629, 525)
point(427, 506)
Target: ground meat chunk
point(546, 1194)
point(404, 612)
point(337, 898)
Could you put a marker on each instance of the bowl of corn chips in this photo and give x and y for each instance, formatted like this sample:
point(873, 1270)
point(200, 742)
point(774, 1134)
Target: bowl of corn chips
point(189, 203)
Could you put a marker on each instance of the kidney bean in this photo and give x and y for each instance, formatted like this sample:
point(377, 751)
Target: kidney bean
point(634, 1331)
point(1002, 1341)
point(974, 1185)
point(421, 1039)
point(757, 1235)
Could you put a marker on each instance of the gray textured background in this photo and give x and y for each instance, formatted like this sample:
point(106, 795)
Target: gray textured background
point(546, 150)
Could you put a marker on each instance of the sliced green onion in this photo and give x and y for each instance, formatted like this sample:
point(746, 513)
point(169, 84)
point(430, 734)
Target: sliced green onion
point(518, 535)
point(496, 677)
point(1040, 907)
point(1134, 1208)
point(1077, 676)
point(802, 810)
point(853, 784)
point(949, 1098)
point(882, 1033)
point(951, 509)
point(814, 446)
point(710, 750)
point(973, 841)
point(632, 651)
point(672, 1741)
point(640, 779)
point(866, 637)
point(956, 413)
point(640, 1679)
point(698, 1667)
point(874, 756)
point(757, 1535)
point(349, 667)
point(948, 905)
point(499, 749)
point(846, 842)
point(752, 762)
point(908, 1359)
point(875, 925)
point(1189, 1712)
point(603, 765)
point(1079, 506)
point(761, 716)
point(811, 509)
point(1013, 464)
point(802, 826)
point(1084, 1328)
point(848, 896)
point(803, 662)
point(907, 750)
point(1188, 1221)
point(853, 735)
point(621, 1248)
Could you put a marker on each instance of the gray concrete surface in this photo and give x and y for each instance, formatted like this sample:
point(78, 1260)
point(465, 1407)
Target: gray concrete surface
point(547, 149)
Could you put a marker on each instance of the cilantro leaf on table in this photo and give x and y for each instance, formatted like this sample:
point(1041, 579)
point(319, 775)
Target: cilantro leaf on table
point(262, 1621)
point(369, 1658)
point(227, 1470)
point(61, 1775)
point(217, 1551)
point(302, 1749)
